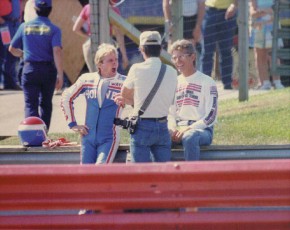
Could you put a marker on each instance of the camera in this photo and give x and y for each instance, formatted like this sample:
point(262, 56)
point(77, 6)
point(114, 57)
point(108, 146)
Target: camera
point(129, 123)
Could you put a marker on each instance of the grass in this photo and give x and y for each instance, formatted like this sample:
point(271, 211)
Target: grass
point(262, 120)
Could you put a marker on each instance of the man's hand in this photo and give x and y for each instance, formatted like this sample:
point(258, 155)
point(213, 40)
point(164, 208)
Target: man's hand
point(119, 100)
point(174, 136)
point(177, 135)
point(59, 82)
point(196, 34)
point(231, 10)
point(81, 129)
point(168, 30)
point(127, 95)
point(125, 62)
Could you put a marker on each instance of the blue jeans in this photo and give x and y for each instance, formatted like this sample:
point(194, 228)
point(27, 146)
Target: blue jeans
point(193, 139)
point(151, 142)
point(8, 62)
point(217, 30)
point(93, 152)
point(38, 82)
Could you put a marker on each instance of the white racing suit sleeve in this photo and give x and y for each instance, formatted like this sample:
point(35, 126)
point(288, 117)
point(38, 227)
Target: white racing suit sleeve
point(67, 100)
point(211, 106)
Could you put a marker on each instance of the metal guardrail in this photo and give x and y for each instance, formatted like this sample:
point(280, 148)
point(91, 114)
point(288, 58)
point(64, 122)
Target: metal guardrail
point(71, 155)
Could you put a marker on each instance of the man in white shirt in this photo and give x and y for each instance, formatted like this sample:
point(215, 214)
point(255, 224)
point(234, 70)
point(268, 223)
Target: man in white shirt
point(194, 112)
point(152, 138)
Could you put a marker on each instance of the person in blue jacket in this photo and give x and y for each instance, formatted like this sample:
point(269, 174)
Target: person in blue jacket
point(39, 43)
point(9, 24)
point(100, 137)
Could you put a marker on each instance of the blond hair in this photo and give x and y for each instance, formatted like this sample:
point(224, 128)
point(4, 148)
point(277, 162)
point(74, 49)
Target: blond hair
point(103, 50)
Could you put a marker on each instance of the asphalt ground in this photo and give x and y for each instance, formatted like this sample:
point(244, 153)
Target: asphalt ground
point(12, 110)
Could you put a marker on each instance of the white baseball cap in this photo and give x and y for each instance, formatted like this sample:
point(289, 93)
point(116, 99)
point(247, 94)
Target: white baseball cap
point(150, 38)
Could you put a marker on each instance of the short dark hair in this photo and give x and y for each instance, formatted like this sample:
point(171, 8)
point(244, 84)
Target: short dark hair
point(43, 12)
point(152, 50)
point(84, 2)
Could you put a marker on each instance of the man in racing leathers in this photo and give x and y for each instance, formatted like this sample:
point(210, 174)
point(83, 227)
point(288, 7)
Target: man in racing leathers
point(100, 137)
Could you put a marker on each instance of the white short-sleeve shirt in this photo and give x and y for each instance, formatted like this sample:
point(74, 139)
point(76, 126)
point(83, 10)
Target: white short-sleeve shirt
point(190, 7)
point(142, 77)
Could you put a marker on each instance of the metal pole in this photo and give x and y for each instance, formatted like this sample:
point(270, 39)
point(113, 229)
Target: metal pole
point(104, 31)
point(243, 15)
point(94, 26)
point(275, 38)
point(99, 17)
point(177, 20)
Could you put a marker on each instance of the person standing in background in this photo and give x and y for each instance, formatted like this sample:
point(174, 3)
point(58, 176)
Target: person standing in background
point(28, 15)
point(219, 26)
point(38, 42)
point(8, 62)
point(262, 15)
point(82, 28)
point(193, 13)
point(5, 9)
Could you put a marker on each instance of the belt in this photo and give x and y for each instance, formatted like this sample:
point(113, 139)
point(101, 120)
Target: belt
point(153, 119)
point(214, 8)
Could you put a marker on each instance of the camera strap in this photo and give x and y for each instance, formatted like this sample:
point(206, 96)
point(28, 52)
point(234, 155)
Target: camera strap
point(153, 90)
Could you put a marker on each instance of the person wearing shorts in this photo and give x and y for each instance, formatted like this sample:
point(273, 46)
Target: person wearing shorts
point(261, 15)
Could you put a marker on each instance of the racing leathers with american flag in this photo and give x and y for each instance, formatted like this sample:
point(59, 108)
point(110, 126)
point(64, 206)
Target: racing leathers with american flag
point(101, 142)
point(100, 136)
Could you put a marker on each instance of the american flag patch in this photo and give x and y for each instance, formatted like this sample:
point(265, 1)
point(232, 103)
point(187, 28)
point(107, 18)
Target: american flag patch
point(194, 87)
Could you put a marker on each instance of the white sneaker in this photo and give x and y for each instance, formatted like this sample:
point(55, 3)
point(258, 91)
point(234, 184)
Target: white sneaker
point(265, 87)
point(279, 86)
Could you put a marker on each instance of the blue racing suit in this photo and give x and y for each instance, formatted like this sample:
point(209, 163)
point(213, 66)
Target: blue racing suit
point(101, 143)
